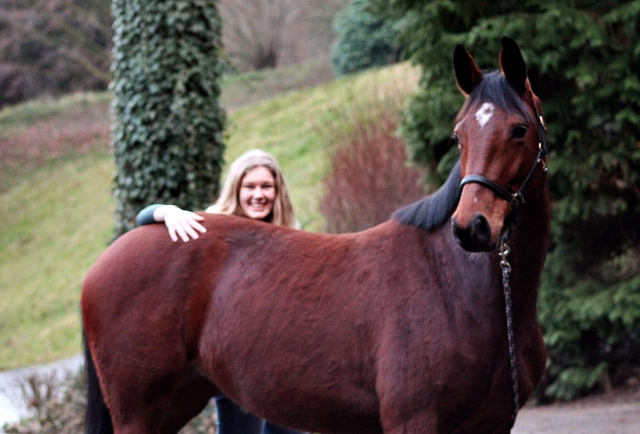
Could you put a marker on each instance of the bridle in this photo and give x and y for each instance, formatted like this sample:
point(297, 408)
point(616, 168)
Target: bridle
point(514, 200)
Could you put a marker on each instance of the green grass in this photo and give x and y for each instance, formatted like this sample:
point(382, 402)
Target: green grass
point(53, 226)
point(57, 219)
point(240, 90)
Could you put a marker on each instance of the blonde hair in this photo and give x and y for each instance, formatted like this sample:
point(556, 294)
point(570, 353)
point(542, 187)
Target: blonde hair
point(282, 213)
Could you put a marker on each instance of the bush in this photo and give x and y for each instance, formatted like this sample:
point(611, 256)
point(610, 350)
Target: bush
point(168, 130)
point(364, 40)
point(583, 62)
point(368, 178)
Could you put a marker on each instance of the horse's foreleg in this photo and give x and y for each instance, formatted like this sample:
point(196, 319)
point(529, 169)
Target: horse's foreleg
point(505, 428)
point(422, 423)
point(139, 404)
point(138, 426)
point(159, 404)
point(418, 425)
point(190, 397)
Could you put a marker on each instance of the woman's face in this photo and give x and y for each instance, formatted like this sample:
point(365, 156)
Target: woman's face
point(257, 193)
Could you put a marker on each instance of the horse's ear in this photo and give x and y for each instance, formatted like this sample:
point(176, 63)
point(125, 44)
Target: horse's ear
point(512, 64)
point(468, 75)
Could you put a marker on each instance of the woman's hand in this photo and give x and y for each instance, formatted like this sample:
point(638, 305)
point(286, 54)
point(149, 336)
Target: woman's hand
point(180, 223)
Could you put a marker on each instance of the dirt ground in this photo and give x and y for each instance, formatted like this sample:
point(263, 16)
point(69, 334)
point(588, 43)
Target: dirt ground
point(614, 413)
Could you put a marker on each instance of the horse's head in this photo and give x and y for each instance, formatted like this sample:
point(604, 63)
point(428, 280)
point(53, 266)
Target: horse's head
point(498, 133)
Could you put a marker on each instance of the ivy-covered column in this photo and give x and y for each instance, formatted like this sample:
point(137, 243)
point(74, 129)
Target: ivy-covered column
point(167, 131)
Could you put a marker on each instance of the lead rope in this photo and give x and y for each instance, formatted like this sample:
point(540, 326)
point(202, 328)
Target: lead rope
point(506, 289)
point(504, 251)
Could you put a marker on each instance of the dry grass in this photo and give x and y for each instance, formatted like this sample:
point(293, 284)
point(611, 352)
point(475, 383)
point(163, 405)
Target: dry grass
point(40, 132)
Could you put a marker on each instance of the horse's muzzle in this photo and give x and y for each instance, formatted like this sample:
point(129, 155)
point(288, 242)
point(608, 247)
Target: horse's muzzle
point(476, 236)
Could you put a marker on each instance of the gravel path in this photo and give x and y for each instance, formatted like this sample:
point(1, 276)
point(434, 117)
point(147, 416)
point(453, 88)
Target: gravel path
point(615, 413)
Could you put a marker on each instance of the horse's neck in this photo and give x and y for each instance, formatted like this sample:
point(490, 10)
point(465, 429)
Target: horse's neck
point(529, 246)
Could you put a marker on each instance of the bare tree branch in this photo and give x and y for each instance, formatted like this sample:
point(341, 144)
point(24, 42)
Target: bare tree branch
point(254, 29)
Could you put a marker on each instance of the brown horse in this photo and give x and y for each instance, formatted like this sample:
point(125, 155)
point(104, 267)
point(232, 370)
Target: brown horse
point(393, 330)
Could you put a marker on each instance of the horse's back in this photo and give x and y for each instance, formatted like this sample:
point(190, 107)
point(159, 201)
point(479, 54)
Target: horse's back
point(143, 263)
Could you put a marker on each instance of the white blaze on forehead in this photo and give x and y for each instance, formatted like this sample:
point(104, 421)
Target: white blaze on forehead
point(484, 113)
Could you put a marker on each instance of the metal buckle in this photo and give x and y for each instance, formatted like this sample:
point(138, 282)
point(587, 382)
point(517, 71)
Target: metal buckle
point(516, 198)
point(504, 254)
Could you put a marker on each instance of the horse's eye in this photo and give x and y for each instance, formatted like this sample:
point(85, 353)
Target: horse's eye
point(519, 132)
point(454, 141)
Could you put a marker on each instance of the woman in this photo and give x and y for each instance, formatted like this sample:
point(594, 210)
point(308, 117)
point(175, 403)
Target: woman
point(255, 189)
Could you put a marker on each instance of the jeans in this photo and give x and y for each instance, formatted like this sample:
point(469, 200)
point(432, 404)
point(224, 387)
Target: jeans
point(234, 420)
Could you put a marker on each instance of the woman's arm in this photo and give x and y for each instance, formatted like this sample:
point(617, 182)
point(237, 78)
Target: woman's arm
point(178, 221)
point(146, 216)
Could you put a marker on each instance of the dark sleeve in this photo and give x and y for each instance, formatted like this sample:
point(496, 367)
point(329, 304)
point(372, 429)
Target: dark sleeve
point(145, 217)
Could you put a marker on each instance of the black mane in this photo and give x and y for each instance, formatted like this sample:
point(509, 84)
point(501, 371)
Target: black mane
point(435, 210)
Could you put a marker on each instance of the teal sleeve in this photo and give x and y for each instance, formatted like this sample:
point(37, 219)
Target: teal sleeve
point(145, 217)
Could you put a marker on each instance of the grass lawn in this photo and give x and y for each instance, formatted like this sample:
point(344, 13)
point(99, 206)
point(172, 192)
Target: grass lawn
point(53, 225)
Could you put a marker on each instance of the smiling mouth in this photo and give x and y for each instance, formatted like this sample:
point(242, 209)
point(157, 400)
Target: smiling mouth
point(258, 207)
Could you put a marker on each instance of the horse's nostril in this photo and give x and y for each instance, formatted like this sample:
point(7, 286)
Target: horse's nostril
point(476, 237)
point(480, 229)
point(456, 229)
point(460, 234)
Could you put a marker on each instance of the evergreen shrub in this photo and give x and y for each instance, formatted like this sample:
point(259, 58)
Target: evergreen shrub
point(363, 40)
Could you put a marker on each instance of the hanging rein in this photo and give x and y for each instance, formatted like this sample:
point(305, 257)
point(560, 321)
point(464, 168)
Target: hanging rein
point(514, 200)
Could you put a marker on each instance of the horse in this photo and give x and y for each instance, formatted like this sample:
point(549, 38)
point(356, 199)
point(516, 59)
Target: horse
point(397, 329)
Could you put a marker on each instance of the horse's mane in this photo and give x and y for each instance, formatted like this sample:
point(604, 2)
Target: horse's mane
point(433, 211)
